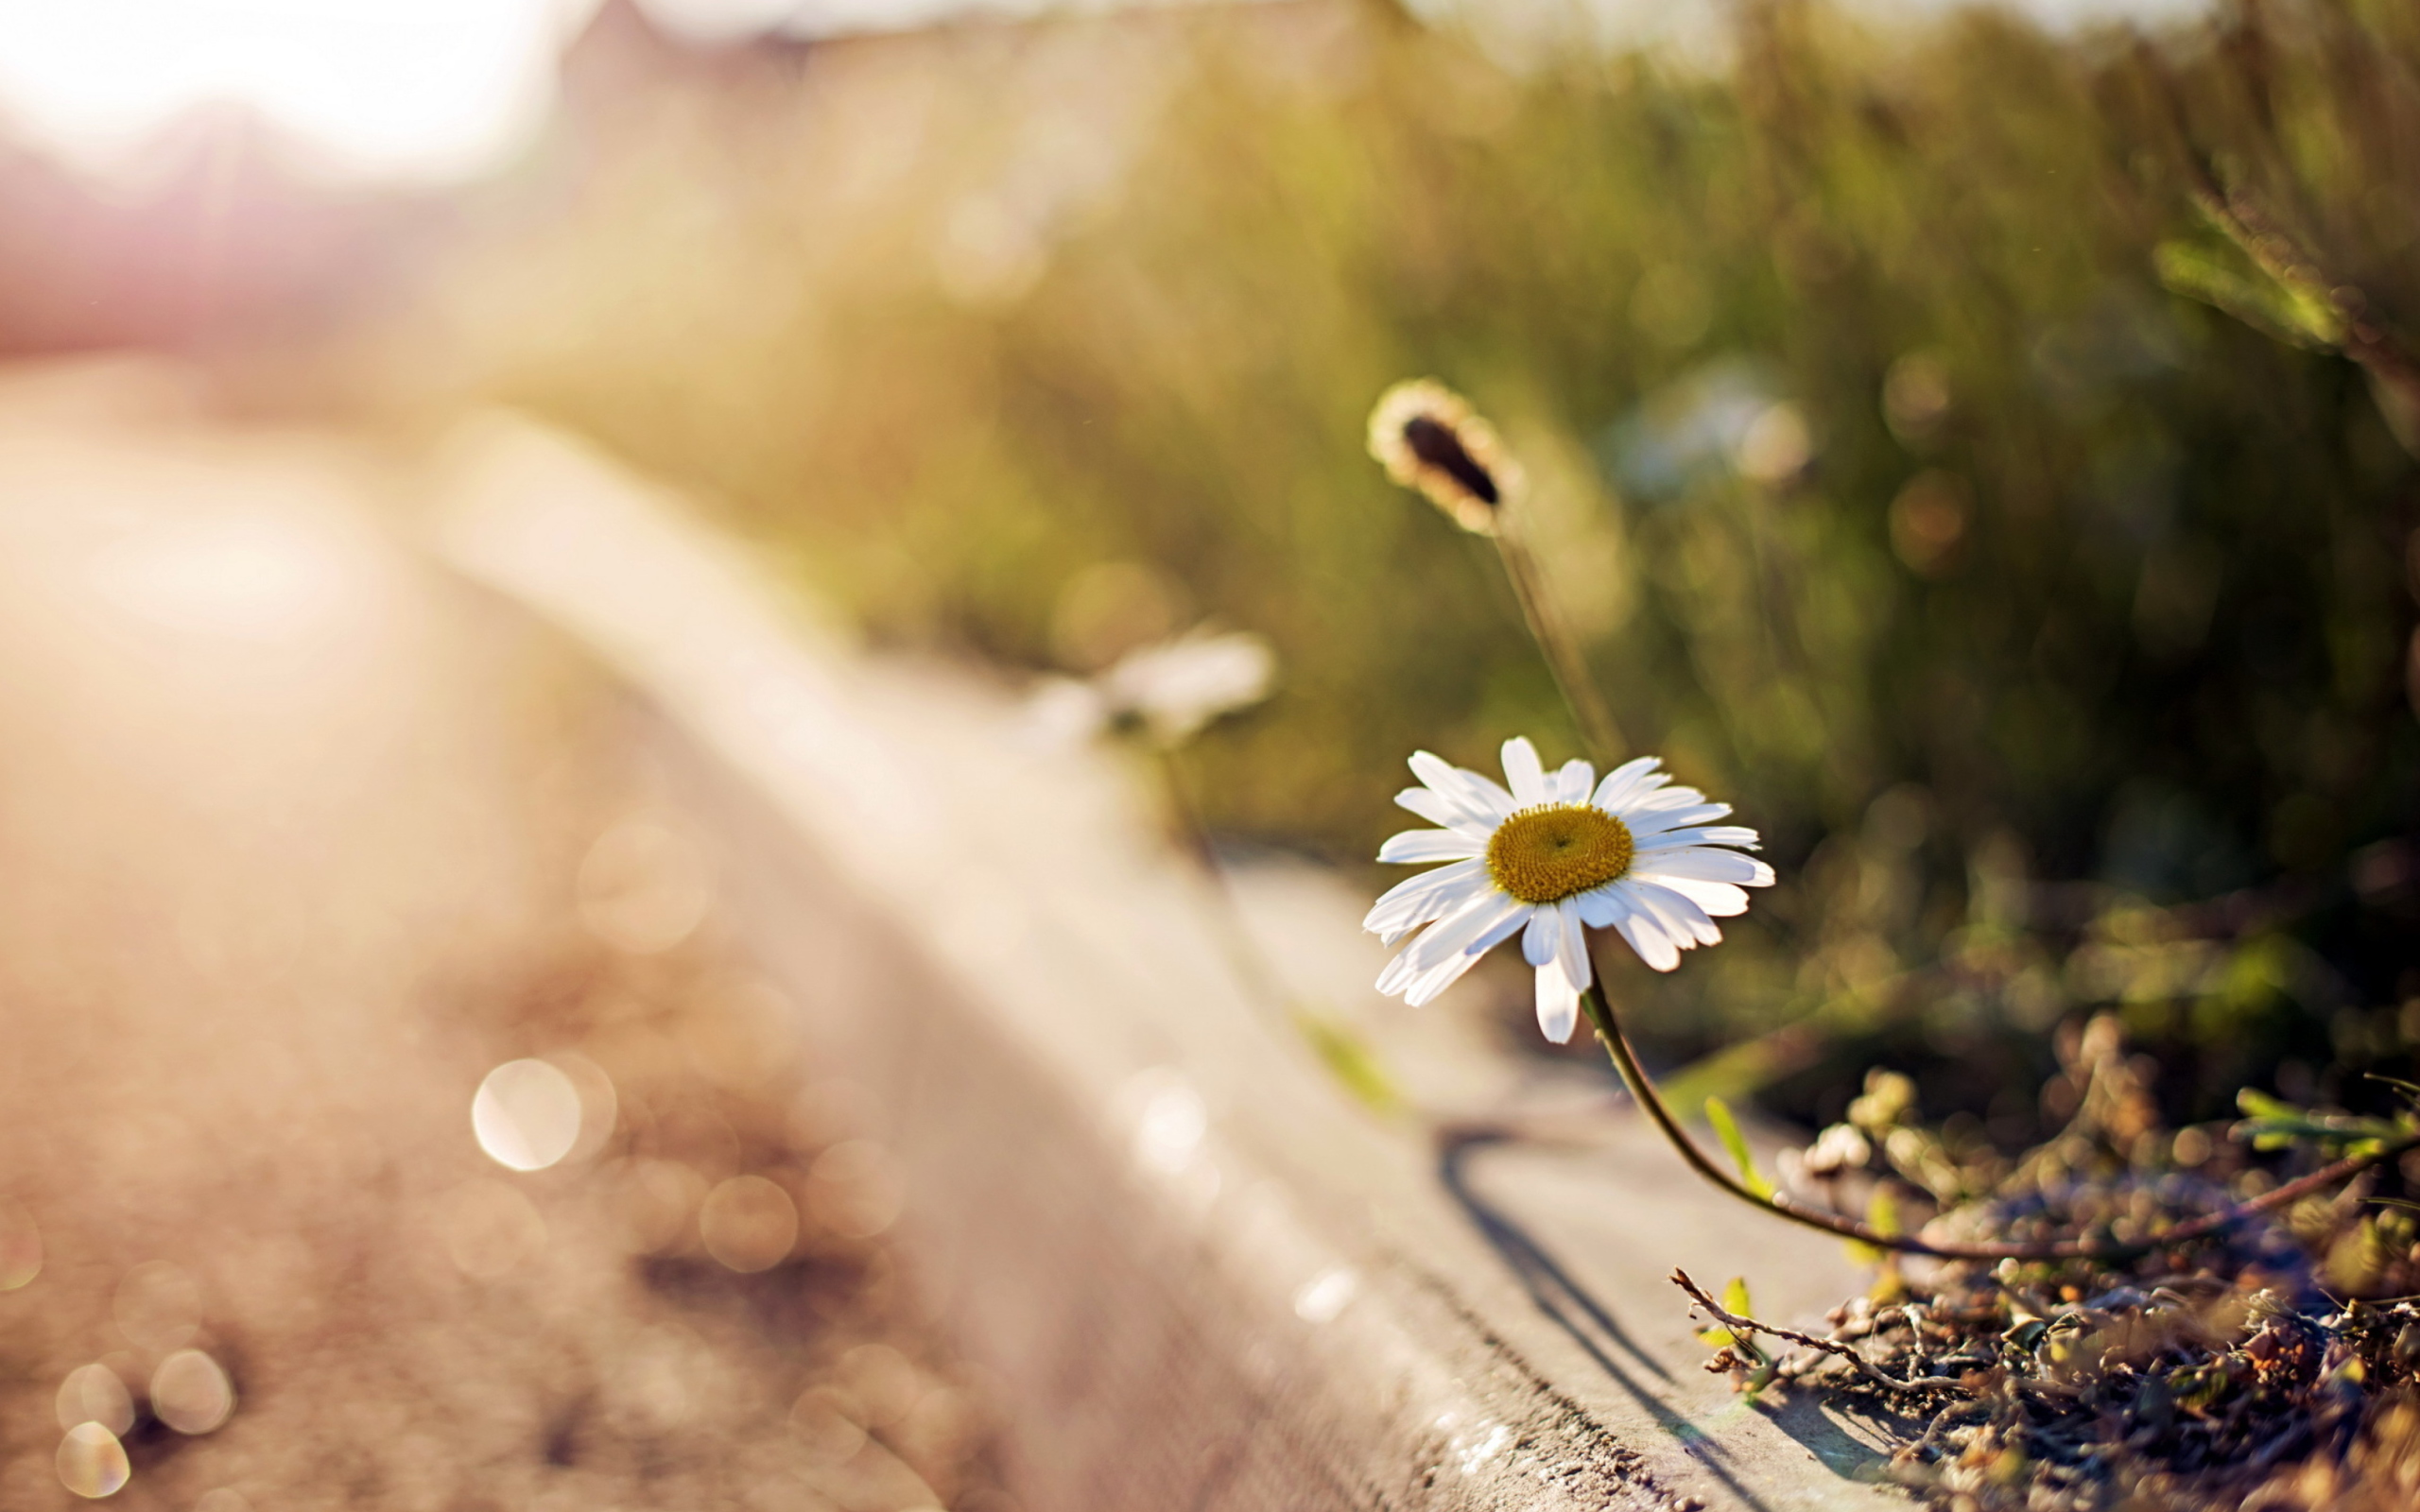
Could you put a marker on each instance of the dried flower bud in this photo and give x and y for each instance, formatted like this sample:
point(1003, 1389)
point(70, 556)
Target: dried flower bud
point(1429, 439)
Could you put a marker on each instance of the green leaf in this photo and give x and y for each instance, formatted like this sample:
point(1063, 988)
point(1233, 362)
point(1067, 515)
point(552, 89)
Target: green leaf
point(1717, 1336)
point(2254, 1104)
point(1735, 1301)
point(1758, 1380)
point(1351, 1061)
point(1882, 1214)
point(2220, 276)
point(2277, 1125)
point(1726, 1128)
point(2410, 1089)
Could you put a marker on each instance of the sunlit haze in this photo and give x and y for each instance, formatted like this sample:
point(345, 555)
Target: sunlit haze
point(437, 90)
point(429, 89)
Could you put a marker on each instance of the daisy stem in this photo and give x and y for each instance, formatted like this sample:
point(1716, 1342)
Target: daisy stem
point(1251, 965)
point(1608, 1033)
point(1551, 630)
point(1336, 1046)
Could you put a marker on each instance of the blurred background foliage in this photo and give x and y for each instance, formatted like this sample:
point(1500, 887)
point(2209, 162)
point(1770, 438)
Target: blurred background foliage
point(1971, 449)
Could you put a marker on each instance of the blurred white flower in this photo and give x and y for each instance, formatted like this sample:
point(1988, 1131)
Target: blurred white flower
point(1168, 690)
point(1552, 859)
point(1841, 1147)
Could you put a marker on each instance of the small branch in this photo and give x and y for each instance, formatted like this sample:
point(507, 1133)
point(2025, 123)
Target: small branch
point(1748, 1327)
point(1250, 963)
point(1551, 630)
point(1924, 1446)
point(1608, 1033)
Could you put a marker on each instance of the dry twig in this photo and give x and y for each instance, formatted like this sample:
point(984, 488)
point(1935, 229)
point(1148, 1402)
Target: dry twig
point(1749, 1327)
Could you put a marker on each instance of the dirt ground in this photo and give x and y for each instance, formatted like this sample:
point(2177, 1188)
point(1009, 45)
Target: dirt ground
point(297, 841)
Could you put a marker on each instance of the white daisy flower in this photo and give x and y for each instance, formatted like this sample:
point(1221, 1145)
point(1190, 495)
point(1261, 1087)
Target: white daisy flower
point(1557, 855)
point(1178, 686)
point(1168, 690)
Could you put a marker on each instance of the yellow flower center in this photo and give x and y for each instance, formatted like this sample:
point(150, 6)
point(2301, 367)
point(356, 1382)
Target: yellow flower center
point(1547, 853)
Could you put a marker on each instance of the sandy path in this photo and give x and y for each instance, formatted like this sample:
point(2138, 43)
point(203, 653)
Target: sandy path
point(297, 841)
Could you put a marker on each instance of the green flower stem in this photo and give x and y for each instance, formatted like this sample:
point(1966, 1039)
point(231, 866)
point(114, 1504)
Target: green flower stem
point(1565, 659)
point(1608, 1033)
point(1226, 914)
point(1337, 1045)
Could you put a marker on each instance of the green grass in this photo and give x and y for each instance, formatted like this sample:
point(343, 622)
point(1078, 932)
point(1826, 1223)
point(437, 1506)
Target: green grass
point(2069, 672)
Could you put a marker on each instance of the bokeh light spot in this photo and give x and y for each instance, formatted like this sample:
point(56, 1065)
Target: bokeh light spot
point(93, 1394)
point(1325, 1296)
point(190, 1393)
point(853, 1189)
point(644, 888)
point(526, 1115)
point(655, 1199)
point(1170, 1120)
point(91, 1463)
point(748, 1224)
point(490, 1229)
point(881, 1384)
point(820, 1420)
point(158, 1306)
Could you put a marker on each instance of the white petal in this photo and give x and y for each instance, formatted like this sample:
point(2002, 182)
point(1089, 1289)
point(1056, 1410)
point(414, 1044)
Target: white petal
point(1683, 921)
point(1462, 929)
point(1418, 982)
point(1478, 797)
point(1718, 899)
point(1571, 950)
point(1413, 847)
point(1433, 806)
point(1738, 834)
point(1546, 928)
point(1601, 907)
point(1446, 973)
point(1701, 864)
point(1500, 931)
point(1680, 913)
point(1661, 798)
point(1646, 935)
point(1558, 1003)
point(1571, 781)
point(1438, 809)
point(1441, 940)
point(1425, 987)
point(1648, 824)
point(1415, 900)
point(1653, 903)
point(1627, 780)
point(1523, 770)
point(1497, 919)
